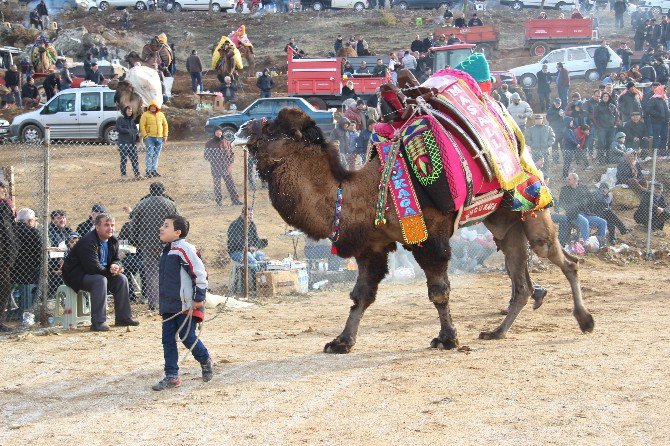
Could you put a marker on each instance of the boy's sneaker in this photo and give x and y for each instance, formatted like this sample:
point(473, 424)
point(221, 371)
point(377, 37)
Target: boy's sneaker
point(167, 383)
point(207, 372)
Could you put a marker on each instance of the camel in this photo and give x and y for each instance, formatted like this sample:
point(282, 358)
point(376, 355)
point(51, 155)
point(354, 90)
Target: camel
point(303, 172)
point(126, 96)
point(247, 53)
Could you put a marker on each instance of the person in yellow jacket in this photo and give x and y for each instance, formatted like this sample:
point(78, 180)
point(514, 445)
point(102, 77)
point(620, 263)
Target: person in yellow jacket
point(154, 131)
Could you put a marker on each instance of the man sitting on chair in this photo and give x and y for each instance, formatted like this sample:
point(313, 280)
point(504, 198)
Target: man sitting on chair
point(93, 265)
point(236, 240)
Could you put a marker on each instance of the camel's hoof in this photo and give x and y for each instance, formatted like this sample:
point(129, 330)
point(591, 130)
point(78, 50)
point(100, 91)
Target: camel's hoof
point(337, 346)
point(444, 344)
point(586, 322)
point(489, 335)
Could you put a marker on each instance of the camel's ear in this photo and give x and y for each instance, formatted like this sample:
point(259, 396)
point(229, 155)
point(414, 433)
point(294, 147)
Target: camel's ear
point(295, 134)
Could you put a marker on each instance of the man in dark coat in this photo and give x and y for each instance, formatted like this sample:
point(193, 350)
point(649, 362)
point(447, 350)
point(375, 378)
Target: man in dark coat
point(95, 76)
point(51, 84)
point(26, 270)
point(59, 233)
point(417, 44)
point(94, 265)
point(629, 102)
point(127, 141)
point(147, 217)
point(659, 213)
point(7, 258)
point(601, 57)
point(88, 62)
point(12, 77)
point(620, 7)
point(194, 68)
point(637, 132)
point(236, 240)
point(265, 83)
point(86, 226)
point(219, 153)
point(543, 88)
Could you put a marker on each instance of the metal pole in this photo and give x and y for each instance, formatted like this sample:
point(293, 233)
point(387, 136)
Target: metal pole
point(44, 283)
point(651, 202)
point(246, 223)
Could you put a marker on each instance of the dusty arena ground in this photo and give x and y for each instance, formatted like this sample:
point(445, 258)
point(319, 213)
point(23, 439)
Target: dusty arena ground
point(545, 384)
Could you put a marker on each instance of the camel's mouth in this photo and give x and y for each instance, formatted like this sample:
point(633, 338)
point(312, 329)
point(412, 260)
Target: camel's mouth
point(241, 136)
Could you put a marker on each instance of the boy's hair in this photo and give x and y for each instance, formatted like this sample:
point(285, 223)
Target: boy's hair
point(180, 224)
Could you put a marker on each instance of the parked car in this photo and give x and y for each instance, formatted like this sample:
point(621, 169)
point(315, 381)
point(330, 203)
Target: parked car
point(577, 60)
point(503, 77)
point(75, 113)
point(548, 4)
point(422, 4)
point(268, 108)
point(117, 4)
point(199, 5)
point(319, 5)
point(658, 7)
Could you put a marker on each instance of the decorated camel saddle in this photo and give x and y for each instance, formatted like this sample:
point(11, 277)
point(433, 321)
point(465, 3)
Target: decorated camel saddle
point(158, 51)
point(447, 144)
point(43, 55)
point(226, 57)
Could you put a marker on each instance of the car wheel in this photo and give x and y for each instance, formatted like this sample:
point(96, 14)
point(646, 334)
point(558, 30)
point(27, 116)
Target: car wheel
point(31, 134)
point(317, 6)
point(592, 76)
point(229, 132)
point(656, 10)
point(359, 6)
point(539, 49)
point(216, 7)
point(110, 135)
point(176, 8)
point(403, 5)
point(528, 80)
point(560, 5)
point(140, 6)
point(103, 6)
point(443, 5)
point(317, 103)
point(517, 6)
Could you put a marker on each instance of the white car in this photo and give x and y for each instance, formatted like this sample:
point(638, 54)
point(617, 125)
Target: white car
point(104, 5)
point(548, 4)
point(199, 5)
point(658, 7)
point(318, 5)
point(577, 60)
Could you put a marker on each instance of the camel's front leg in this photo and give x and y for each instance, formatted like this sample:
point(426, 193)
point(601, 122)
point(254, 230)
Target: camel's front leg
point(433, 257)
point(514, 246)
point(372, 268)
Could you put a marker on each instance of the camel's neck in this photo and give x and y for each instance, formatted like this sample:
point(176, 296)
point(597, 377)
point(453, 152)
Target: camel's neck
point(304, 191)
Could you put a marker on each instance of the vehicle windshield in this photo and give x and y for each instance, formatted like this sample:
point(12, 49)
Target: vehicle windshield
point(450, 58)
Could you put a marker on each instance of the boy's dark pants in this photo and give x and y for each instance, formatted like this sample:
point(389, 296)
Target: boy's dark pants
point(170, 351)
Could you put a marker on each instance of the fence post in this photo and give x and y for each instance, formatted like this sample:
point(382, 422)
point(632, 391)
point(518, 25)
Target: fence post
point(246, 223)
point(44, 282)
point(651, 203)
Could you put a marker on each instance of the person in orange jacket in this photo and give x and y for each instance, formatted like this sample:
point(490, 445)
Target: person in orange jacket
point(154, 132)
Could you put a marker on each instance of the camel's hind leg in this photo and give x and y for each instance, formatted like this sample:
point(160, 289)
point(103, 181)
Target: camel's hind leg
point(433, 257)
point(541, 233)
point(514, 246)
point(372, 268)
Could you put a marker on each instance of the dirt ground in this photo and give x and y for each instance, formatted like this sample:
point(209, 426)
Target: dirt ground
point(546, 383)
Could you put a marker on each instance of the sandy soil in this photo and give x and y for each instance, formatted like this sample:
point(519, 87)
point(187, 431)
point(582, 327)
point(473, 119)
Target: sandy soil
point(545, 384)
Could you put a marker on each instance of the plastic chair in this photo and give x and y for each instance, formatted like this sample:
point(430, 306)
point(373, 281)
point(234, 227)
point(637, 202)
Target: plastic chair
point(72, 308)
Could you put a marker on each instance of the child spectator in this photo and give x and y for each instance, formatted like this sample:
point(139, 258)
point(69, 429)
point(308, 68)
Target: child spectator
point(582, 132)
point(182, 287)
point(351, 151)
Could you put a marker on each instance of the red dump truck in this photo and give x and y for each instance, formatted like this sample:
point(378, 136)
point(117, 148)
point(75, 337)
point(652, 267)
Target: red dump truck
point(320, 81)
point(544, 35)
point(485, 38)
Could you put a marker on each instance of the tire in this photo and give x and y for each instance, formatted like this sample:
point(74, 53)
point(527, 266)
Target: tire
point(403, 6)
point(68, 6)
point(317, 6)
point(485, 49)
point(177, 7)
point(141, 6)
point(216, 7)
point(517, 6)
point(317, 103)
point(110, 135)
point(559, 5)
point(591, 76)
point(656, 10)
point(358, 7)
point(229, 132)
point(539, 49)
point(103, 6)
point(442, 5)
point(31, 134)
point(527, 80)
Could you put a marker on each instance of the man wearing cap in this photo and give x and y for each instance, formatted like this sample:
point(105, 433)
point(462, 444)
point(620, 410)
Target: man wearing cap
point(540, 138)
point(147, 218)
point(59, 232)
point(362, 68)
point(659, 212)
point(93, 265)
point(520, 110)
point(87, 225)
point(543, 88)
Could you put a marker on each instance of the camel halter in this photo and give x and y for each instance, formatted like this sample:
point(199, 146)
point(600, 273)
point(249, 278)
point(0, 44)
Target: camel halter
point(335, 234)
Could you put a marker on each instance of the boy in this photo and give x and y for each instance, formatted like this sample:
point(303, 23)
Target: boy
point(182, 285)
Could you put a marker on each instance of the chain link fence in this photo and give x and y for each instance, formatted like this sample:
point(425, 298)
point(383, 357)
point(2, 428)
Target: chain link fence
point(57, 190)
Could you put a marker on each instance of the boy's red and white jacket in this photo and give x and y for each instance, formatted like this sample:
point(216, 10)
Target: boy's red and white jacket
point(182, 278)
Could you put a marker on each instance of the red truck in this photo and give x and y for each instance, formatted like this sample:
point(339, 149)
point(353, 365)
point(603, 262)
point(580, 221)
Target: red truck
point(544, 35)
point(484, 37)
point(320, 81)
